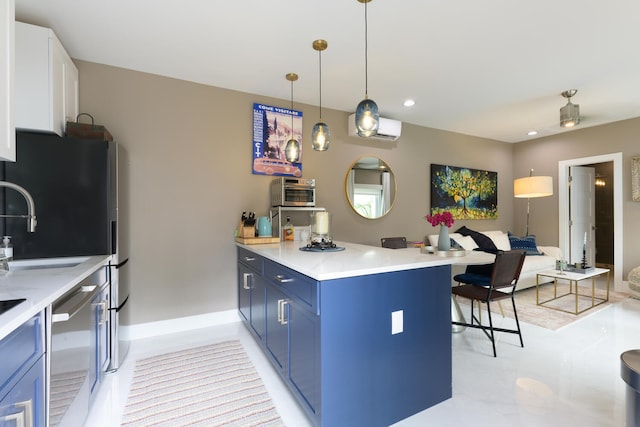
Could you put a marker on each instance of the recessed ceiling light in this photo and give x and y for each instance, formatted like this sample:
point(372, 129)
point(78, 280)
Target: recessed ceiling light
point(532, 132)
point(409, 103)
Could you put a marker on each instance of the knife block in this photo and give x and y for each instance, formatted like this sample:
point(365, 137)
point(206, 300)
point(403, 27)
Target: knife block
point(246, 231)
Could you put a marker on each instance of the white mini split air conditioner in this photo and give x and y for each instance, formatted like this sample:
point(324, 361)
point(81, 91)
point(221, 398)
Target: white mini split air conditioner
point(388, 130)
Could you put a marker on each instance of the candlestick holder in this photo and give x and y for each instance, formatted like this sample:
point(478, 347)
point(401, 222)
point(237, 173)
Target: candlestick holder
point(321, 229)
point(584, 258)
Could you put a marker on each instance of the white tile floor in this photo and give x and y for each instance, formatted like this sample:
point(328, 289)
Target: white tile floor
point(560, 378)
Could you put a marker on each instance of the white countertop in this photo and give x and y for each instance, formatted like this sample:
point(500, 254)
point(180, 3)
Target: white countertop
point(355, 260)
point(41, 286)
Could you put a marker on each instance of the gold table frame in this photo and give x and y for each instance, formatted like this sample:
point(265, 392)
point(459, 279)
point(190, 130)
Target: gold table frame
point(573, 278)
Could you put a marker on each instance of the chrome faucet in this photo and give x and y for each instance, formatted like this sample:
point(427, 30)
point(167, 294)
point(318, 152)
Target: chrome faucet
point(31, 208)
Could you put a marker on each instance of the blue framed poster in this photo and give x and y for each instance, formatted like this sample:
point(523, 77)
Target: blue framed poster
point(272, 128)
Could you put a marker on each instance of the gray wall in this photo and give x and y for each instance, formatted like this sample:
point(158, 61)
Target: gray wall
point(544, 154)
point(187, 178)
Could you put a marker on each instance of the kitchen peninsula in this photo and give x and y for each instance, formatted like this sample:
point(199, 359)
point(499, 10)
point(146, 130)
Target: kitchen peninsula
point(362, 337)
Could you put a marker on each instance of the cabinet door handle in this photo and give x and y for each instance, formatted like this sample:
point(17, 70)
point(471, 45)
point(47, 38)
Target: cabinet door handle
point(18, 417)
point(282, 319)
point(28, 412)
point(285, 320)
point(282, 279)
point(103, 314)
point(22, 418)
point(72, 305)
point(249, 258)
point(246, 277)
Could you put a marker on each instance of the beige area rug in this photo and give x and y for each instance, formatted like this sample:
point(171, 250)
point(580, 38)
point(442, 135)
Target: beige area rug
point(544, 316)
point(213, 385)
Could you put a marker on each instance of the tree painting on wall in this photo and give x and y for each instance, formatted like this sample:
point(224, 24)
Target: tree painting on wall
point(466, 193)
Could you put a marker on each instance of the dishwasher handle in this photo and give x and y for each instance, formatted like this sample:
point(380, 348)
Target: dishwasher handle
point(74, 303)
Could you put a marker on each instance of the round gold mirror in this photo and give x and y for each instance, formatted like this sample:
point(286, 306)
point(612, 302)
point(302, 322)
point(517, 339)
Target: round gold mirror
point(370, 187)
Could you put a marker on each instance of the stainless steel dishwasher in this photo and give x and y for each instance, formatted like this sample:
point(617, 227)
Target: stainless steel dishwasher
point(73, 372)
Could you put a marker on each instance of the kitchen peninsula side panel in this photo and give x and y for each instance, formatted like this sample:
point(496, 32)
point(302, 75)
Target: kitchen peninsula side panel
point(370, 375)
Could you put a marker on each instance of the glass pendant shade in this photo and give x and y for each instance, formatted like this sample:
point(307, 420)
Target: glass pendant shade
point(570, 113)
point(367, 118)
point(320, 137)
point(292, 151)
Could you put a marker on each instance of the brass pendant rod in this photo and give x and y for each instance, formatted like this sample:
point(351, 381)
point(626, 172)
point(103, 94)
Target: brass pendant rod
point(292, 77)
point(320, 45)
point(320, 85)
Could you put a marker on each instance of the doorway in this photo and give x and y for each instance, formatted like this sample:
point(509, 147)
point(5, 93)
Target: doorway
point(604, 215)
point(615, 183)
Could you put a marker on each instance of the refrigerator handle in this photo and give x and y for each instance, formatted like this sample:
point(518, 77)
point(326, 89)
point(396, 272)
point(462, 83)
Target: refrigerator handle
point(114, 237)
point(117, 309)
point(119, 265)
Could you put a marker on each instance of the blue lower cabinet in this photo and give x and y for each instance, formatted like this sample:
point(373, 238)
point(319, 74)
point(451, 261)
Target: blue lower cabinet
point(251, 299)
point(22, 375)
point(25, 403)
point(277, 321)
point(304, 356)
point(245, 277)
point(293, 344)
point(360, 351)
point(258, 295)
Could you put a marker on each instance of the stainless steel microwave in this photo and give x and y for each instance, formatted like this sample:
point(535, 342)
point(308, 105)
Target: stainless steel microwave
point(293, 192)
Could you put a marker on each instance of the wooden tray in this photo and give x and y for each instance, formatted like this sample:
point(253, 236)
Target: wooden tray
point(257, 240)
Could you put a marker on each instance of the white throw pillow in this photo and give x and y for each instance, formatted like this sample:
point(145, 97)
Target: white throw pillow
point(500, 239)
point(465, 241)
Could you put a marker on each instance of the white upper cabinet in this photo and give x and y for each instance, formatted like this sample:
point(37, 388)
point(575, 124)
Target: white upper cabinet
point(7, 127)
point(46, 82)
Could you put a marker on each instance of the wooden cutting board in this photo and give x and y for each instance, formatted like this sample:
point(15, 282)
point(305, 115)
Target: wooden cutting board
point(257, 240)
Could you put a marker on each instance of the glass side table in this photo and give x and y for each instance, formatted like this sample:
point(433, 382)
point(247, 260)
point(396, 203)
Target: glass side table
point(574, 279)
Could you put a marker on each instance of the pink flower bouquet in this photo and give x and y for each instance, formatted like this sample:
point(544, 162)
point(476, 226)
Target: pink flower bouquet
point(444, 218)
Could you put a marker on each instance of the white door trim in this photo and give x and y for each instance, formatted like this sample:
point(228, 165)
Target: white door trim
point(563, 208)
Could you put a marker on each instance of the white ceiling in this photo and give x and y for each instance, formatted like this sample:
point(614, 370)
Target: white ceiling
point(492, 68)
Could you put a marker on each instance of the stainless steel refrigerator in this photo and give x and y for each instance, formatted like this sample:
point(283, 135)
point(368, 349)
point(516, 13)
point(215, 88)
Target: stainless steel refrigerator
point(74, 185)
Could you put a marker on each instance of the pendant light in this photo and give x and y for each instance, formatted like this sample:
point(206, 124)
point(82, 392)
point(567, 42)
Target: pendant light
point(292, 148)
point(570, 113)
point(367, 116)
point(320, 137)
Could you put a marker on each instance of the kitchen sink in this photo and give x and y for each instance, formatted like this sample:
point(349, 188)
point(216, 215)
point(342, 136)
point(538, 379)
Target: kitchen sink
point(43, 263)
point(7, 305)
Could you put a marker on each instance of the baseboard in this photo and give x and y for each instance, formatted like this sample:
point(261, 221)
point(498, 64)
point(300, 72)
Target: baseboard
point(181, 324)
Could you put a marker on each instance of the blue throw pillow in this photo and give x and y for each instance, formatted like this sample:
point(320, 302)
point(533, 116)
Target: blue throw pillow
point(526, 243)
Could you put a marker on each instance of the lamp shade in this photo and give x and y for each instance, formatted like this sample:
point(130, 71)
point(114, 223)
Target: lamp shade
point(533, 186)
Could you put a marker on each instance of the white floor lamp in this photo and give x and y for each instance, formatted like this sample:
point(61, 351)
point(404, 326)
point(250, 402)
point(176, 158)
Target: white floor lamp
point(531, 187)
